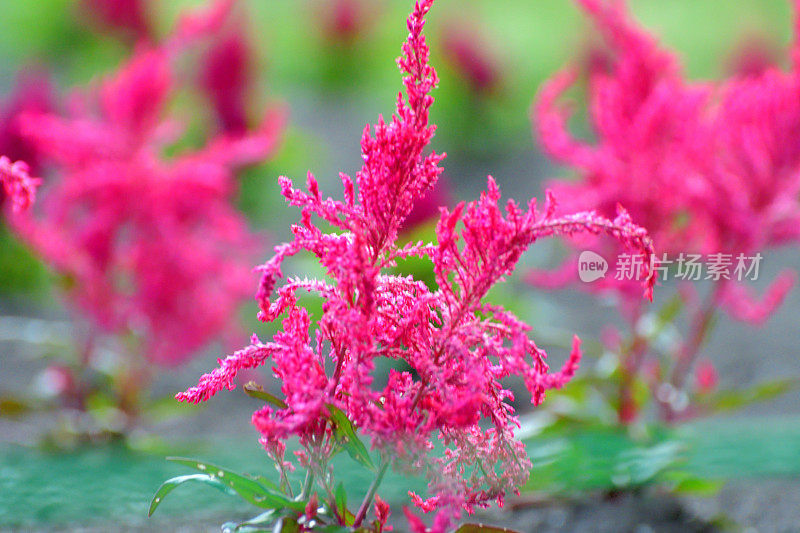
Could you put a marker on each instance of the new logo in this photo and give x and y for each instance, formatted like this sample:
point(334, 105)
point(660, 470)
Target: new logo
point(591, 266)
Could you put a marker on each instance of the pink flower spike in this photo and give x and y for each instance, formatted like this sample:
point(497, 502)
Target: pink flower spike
point(227, 77)
point(471, 56)
point(222, 378)
point(147, 240)
point(414, 522)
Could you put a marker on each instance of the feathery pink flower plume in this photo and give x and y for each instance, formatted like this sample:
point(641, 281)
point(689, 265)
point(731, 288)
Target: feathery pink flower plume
point(153, 245)
point(471, 56)
point(706, 167)
point(458, 347)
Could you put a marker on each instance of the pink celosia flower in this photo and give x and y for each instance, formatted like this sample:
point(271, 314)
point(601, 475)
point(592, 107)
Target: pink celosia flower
point(18, 185)
point(459, 347)
point(32, 94)
point(342, 21)
point(646, 119)
point(470, 56)
point(426, 208)
point(753, 56)
point(202, 21)
point(226, 77)
point(151, 245)
point(707, 168)
point(382, 512)
point(127, 16)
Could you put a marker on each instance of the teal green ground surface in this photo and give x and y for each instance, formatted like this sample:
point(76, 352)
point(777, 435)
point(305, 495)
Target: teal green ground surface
point(114, 483)
point(107, 483)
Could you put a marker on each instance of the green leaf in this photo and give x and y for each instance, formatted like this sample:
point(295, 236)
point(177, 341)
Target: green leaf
point(12, 406)
point(341, 499)
point(667, 313)
point(251, 525)
point(689, 484)
point(482, 528)
point(267, 483)
point(254, 390)
point(341, 505)
point(170, 484)
point(289, 525)
point(569, 459)
point(346, 436)
point(246, 487)
point(729, 400)
point(639, 466)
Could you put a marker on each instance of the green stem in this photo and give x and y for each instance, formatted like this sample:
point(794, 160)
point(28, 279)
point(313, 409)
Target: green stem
point(309, 483)
point(630, 365)
point(700, 330)
point(284, 477)
point(373, 488)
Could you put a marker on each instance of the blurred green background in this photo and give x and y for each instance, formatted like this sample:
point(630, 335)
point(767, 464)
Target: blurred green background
point(331, 92)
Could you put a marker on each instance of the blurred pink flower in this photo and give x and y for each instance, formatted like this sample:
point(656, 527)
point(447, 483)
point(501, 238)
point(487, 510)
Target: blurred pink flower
point(226, 77)
point(382, 512)
point(459, 347)
point(470, 55)
point(32, 93)
point(426, 207)
point(343, 21)
point(753, 56)
point(150, 245)
point(706, 378)
point(705, 167)
point(126, 16)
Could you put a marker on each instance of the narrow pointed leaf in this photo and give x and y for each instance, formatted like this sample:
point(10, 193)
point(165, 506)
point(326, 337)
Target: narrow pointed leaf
point(254, 390)
point(341, 505)
point(481, 528)
point(728, 400)
point(341, 499)
point(170, 484)
point(252, 525)
point(347, 438)
point(246, 487)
